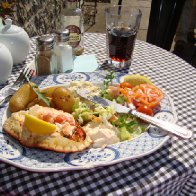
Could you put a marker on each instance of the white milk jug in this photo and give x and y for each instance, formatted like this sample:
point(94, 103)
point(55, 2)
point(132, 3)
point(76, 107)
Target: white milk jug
point(6, 63)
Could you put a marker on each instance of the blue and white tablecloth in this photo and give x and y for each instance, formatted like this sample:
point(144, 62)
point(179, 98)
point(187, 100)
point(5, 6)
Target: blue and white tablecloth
point(169, 171)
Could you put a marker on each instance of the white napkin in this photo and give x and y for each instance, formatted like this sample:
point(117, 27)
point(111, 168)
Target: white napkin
point(85, 63)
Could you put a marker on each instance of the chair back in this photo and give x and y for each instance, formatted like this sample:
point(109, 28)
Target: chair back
point(163, 22)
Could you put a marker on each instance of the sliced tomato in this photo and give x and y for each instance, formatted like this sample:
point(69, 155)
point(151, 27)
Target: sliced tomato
point(146, 95)
point(145, 109)
point(125, 85)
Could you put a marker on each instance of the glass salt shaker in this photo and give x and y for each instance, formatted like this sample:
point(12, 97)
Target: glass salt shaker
point(45, 60)
point(64, 52)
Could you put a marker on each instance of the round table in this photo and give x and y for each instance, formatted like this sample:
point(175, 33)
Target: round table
point(168, 171)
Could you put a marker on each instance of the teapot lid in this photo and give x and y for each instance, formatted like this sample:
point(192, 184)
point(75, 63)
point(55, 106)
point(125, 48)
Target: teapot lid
point(9, 28)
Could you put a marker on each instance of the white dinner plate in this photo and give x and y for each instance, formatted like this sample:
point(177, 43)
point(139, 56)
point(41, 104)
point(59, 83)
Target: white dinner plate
point(33, 159)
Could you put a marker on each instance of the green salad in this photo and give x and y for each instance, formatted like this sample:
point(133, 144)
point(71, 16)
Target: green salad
point(128, 126)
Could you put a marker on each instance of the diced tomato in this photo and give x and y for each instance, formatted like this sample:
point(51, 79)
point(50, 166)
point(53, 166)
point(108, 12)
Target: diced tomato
point(123, 91)
point(79, 134)
point(48, 118)
point(146, 110)
point(146, 95)
point(60, 119)
point(125, 85)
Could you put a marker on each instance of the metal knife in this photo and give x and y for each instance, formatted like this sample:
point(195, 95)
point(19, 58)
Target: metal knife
point(167, 126)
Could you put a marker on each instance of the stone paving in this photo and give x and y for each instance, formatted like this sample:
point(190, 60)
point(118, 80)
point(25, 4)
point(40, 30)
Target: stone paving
point(144, 5)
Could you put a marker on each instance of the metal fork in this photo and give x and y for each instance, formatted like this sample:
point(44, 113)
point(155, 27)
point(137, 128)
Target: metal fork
point(24, 76)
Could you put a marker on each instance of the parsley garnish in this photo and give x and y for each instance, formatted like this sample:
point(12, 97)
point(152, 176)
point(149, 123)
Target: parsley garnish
point(107, 81)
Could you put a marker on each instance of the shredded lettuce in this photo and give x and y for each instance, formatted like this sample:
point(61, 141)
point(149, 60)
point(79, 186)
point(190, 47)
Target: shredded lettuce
point(83, 113)
point(104, 112)
point(129, 126)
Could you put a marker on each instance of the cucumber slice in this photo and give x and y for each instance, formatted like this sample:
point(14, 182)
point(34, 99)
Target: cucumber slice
point(124, 134)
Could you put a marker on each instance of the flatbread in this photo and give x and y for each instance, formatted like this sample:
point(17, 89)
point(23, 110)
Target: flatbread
point(55, 141)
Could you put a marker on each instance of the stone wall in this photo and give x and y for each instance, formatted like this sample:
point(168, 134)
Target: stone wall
point(38, 16)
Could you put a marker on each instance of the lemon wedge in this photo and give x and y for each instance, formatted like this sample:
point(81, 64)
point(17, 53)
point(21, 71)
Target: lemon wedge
point(137, 79)
point(38, 126)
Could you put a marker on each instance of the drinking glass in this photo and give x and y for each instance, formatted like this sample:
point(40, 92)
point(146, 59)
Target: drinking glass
point(122, 24)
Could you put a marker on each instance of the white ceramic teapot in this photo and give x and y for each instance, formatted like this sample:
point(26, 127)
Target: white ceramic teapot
point(6, 63)
point(16, 40)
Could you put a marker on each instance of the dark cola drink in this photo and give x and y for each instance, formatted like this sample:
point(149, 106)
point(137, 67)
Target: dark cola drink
point(121, 43)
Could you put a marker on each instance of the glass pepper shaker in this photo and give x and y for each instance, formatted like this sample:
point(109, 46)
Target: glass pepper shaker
point(64, 52)
point(45, 60)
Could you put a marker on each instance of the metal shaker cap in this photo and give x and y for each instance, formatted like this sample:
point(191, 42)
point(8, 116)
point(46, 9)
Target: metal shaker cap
point(62, 35)
point(45, 42)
